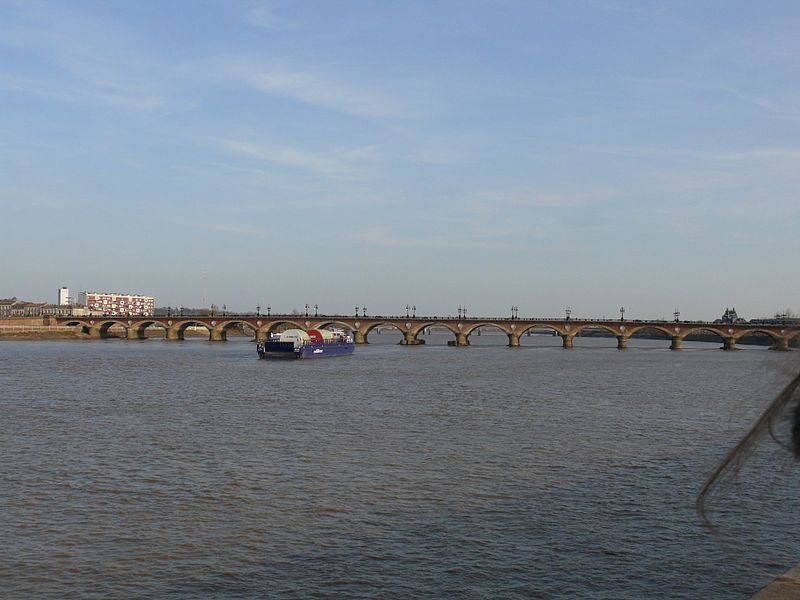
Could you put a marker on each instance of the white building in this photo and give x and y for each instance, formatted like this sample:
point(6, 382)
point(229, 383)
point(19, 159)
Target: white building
point(63, 295)
point(118, 305)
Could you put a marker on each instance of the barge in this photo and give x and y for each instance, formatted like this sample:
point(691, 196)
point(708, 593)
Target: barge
point(314, 343)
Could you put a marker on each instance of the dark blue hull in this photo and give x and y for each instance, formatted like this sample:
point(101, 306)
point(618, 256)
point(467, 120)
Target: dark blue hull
point(287, 350)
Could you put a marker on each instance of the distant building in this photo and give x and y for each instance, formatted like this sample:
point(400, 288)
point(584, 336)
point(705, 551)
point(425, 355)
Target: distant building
point(118, 305)
point(730, 317)
point(63, 295)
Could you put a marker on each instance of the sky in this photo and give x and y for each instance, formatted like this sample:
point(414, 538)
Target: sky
point(584, 153)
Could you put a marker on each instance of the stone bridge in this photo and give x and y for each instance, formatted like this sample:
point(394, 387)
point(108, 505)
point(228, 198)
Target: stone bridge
point(260, 326)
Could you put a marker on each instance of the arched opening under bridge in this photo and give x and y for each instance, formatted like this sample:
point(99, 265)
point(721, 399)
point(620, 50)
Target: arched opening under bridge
point(702, 338)
point(239, 329)
point(650, 338)
point(596, 336)
point(436, 334)
point(384, 333)
point(756, 340)
point(113, 329)
point(188, 330)
point(540, 336)
point(488, 334)
point(150, 329)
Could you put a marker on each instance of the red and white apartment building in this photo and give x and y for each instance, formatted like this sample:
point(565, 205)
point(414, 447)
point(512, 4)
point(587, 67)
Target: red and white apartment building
point(118, 305)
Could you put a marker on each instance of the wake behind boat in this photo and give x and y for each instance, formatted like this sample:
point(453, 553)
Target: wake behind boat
point(314, 343)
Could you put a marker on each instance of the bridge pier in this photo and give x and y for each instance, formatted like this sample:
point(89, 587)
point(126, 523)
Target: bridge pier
point(218, 335)
point(359, 337)
point(513, 340)
point(173, 333)
point(462, 340)
point(95, 333)
point(677, 343)
point(410, 338)
point(781, 344)
point(622, 342)
point(729, 343)
point(134, 333)
point(566, 341)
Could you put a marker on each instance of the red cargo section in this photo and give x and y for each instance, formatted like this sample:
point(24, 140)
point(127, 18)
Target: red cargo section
point(315, 335)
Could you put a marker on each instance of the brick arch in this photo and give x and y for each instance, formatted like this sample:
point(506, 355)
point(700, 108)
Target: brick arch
point(105, 324)
point(365, 330)
point(419, 327)
point(322, 324)
point(721, 334)
point(226, 326)
point(774, 336)
point(547, 326)
point(469, 330)
point(140, 326)
point(669, 332)
point(603, 326)
point(182, 325)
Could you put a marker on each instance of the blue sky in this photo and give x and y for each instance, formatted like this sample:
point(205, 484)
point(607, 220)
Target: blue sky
point(591, 153)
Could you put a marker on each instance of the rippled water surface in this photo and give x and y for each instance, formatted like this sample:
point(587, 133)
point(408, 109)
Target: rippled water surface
point(191, 469)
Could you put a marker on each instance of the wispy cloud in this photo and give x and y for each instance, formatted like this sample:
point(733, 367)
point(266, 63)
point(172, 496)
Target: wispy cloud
point(261, 14)
point(74, 69)
point(328, 91)
point(341, 163)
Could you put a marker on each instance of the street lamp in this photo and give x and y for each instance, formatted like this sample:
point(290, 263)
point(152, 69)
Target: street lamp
point(356, 310)
point(407, 309)
point(258, 310)
point(465, 312)
point(621, 313)
point(364, 311)
point(414, 311)
point(568, 312)
point(224, 309)
point(316, 310)
point(306, 308)
point(459, 312)
point(677, 315)
point(269, 310)
point(169, 311)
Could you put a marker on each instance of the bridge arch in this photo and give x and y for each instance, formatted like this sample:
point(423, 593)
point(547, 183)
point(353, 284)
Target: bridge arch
point(547, 326)
point(640, 329)
point(105, 325)
point(224, 327)
point(179, 328)
point(488, 326)
point(340, 324)
point(139, 328)
point(365, 330)
point(699, 330)
point(757, 331)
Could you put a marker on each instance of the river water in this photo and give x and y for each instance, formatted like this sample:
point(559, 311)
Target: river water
point(156, 469)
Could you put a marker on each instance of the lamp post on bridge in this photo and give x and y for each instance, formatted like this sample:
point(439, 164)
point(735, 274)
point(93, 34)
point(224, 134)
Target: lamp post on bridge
point(459, 312)
point(258, 310)
point(169, 311)
point(407, 310)
point(568, 312)
point(306, 308)
point(269, 310)
point(621, 313)
point(677, 315)
point(364, 311)
point(356, 311)
point(414, 311)
point(224, 309)
point(316, 310)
